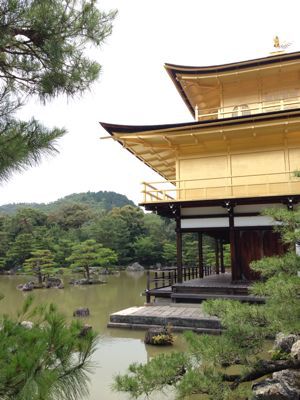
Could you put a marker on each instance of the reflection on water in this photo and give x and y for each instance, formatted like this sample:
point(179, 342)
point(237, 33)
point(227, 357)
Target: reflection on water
point(117, 348)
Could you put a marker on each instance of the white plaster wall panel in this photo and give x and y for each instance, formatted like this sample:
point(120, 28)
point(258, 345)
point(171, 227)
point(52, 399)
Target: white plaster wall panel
point(254, 221)
point(205, 223)
point(203, 210)
point(247, 208)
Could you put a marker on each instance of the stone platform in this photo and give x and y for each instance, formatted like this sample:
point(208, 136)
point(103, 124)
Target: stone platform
point(187, 317)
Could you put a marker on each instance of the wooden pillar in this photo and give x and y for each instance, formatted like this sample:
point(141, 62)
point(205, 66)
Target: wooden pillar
point(233, 248)
point(179, 250)
point(222, 256)
point(217, 256)
point(200, 254)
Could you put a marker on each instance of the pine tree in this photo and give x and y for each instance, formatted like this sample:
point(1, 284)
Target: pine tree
point(41, 264)
point(42, 46)
point(48, 359)
point(89, 254)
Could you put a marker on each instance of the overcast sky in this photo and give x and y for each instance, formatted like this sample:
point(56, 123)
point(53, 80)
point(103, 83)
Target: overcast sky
point(134, 88)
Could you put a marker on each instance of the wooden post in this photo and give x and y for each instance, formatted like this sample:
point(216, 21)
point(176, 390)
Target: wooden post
point(179, 250)
point(217, 256)
point(222, 256)
point(148, 296)
point(200, 254)
point(233, 249)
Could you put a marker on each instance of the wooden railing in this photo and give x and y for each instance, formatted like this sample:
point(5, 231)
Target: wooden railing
point(169, 276)
point(222, 186)
point(237, 110)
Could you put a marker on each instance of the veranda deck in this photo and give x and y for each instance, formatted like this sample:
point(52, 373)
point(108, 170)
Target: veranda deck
point(181, 318)
point(209, 287)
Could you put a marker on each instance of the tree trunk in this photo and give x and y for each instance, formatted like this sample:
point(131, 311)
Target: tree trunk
point(261, 369)
point(39, 276)
point(87, 273)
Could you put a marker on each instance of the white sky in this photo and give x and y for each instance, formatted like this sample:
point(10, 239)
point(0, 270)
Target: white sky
point(134, 88)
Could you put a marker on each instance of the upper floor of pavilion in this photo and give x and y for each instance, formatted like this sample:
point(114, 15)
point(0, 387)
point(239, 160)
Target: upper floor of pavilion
point(244, 143)
point(242, 88)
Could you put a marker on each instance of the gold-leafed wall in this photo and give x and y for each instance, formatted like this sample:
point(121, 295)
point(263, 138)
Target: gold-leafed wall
point(240, 173)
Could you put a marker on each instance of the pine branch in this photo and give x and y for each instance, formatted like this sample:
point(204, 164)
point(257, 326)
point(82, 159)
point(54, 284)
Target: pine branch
point(261, 369)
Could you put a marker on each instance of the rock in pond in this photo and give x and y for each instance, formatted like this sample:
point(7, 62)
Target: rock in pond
point(53, 282)
point(284, 385)
point(161, 336)
point(285, 342)
point(26, 287)
point(81, 312)
point(295, 350)
point(86, 282)
point(135, 267)
point(27, 324)
point(85, 329)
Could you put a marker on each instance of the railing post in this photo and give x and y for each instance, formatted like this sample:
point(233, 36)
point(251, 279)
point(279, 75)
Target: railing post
point(200, 254)
point(148, 295)
point(217, 259)
point(155, 279)
point(222, 256)
point(179, 249)
point(163, 278)
point(196, 112)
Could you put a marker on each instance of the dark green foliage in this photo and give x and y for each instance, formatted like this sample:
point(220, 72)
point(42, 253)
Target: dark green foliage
point(118, 230)
point(58, 226)
point(20, 250)
point(97, 201)
point(40, 264)
point(169, 253)
point(42, 52)
point(23, 144)
point(50, 361)
point(71, 215)
point(164, 370)
point(42, 44)
point(89, 254)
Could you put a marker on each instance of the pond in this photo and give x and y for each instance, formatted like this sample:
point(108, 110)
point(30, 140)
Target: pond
point(117, 348)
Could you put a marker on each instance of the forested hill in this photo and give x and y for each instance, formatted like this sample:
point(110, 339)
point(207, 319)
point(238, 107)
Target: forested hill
point(100, 201)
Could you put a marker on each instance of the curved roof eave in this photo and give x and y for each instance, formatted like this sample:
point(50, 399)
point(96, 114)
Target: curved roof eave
point(116, 128)
point(174, 69)
point(233, 66)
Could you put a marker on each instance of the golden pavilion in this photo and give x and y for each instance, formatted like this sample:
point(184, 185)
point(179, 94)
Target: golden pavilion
point(237, 158)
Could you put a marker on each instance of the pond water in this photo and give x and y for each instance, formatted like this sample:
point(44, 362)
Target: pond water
point(117, 348)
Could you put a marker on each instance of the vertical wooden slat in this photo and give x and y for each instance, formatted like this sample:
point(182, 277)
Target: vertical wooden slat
point(233, 247)
point(222, 256)
point(217, 256)
point(179, 250)
point(200, 254)
point(148, 297)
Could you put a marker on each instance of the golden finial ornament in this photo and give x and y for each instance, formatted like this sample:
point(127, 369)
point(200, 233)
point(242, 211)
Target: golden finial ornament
point(276, 42)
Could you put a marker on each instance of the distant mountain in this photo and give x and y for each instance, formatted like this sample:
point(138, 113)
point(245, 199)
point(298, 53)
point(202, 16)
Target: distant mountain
point(100, 201)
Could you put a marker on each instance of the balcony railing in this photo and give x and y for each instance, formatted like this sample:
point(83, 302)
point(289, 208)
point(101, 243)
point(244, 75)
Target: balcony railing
point(270, 184)
point(238, 110)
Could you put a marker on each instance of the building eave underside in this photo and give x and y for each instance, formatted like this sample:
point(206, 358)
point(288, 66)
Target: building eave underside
point(161, 157)
point(171, 209)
